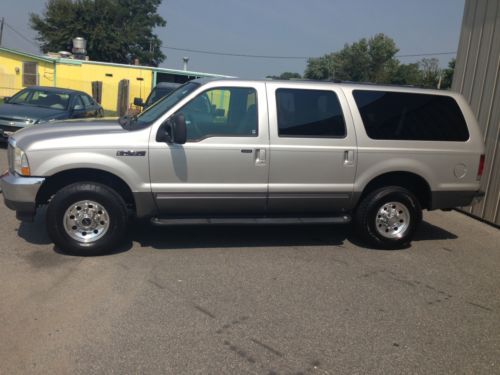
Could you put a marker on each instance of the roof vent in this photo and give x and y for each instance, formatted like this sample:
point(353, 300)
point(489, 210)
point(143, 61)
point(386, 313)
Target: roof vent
point(79, 48)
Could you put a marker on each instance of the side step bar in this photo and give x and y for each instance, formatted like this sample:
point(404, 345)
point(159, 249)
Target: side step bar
point(344, 219)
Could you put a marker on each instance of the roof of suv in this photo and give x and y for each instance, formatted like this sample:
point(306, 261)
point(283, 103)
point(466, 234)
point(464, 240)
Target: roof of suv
point(344, 84)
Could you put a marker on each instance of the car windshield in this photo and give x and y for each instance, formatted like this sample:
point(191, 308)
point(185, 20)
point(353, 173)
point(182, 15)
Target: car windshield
point(42, 98)
point(154, 112)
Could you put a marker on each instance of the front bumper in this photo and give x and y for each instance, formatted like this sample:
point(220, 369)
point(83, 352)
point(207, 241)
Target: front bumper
point(19, 194)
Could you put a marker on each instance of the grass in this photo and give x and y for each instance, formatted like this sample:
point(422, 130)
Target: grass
point(108, 113)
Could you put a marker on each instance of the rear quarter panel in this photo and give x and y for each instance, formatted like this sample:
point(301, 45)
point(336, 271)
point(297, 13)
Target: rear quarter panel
point(446, 166)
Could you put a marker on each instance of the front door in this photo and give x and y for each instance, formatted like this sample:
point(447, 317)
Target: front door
point(223, 167)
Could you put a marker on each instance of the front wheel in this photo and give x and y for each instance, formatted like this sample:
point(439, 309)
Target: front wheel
point(87, 219)
point(388, 217)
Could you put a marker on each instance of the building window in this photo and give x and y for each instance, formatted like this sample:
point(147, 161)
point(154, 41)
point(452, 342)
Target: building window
point(30, 75)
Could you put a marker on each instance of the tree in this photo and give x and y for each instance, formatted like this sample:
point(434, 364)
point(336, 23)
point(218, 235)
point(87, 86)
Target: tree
point(447, 74)
point(407, 74)
point(286, 76)
point(366, 60)
point(116, 30)
point(429, 69)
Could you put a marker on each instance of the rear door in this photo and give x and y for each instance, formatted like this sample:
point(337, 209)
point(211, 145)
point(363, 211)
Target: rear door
point(313, 149)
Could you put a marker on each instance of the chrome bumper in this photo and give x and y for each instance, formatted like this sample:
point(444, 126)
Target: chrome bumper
point(19, 194)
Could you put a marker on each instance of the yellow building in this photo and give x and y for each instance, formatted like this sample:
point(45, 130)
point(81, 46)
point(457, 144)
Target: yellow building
point(20, 69)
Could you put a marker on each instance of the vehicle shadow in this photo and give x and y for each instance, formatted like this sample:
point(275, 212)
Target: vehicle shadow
point(230, 236)
point(233, 236)
point(35, 232)
point(429, 232)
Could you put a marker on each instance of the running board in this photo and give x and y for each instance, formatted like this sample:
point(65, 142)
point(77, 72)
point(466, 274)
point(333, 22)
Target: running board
point(344, 219)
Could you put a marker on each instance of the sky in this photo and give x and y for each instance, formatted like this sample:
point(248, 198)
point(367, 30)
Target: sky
point(307, 28)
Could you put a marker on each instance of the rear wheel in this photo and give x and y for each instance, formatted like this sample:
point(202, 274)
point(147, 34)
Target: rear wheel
point(388, 217)
point(87, 219)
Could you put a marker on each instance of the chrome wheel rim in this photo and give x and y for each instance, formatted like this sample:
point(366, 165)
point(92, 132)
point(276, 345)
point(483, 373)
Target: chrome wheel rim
point(392, 220)
point(86, 221)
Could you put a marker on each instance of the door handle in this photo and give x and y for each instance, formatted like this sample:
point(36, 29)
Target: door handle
point(349, 157)
point(260, 156)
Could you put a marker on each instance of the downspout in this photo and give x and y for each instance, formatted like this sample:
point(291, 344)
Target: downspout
point(55, 73)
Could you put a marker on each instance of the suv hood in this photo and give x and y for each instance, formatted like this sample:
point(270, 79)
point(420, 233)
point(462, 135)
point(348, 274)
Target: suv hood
point(77, 134)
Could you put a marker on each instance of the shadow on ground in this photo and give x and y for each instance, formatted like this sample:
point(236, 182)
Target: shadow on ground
point(429, 232)
point(230, 236)
point(194, 237)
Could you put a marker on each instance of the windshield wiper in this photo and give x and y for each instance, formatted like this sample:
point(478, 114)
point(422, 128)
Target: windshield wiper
point(127, 121)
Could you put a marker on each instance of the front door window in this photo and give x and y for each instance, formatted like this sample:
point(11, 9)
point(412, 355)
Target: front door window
point(222, 112)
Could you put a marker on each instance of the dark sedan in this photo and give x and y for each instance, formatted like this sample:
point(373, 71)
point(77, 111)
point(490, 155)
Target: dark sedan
point(37, 104)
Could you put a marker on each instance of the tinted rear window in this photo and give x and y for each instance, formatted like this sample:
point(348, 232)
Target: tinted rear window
point(309, 113)
point(407, 116)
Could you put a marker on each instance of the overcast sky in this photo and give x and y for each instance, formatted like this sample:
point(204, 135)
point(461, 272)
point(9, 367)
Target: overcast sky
point(277, 28)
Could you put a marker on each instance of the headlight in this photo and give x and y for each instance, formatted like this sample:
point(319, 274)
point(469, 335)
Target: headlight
point(21, 165)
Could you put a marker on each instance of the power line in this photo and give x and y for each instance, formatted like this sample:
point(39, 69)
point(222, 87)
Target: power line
point(22, 36)
point(235, 54)
point(284, 57)
point(218, 53)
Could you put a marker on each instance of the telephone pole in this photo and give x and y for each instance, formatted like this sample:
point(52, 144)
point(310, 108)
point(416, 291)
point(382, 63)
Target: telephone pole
point(1, 30)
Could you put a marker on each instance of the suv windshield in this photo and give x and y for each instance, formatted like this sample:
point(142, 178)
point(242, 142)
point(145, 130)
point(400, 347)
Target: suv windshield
point(153, 113)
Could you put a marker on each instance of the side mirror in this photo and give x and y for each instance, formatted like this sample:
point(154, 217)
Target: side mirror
point(6, 99)
point(174, 130)
point(138, 102)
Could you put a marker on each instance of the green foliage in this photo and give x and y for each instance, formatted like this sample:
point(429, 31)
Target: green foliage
point(369, 60)
point(448, 74)
point(430, 72)
point(286, 76)
point(374, 60)
point(116, 30)
point(406, 74)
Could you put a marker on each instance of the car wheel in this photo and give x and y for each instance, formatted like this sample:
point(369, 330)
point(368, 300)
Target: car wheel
point(388, 217)
point(87, 219)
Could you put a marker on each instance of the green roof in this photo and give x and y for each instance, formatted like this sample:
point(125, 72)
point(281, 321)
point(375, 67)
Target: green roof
point(27, 54)
point(79, 62)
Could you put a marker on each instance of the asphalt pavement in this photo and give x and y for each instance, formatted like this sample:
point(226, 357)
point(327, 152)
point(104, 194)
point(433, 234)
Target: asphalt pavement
point(252, 300)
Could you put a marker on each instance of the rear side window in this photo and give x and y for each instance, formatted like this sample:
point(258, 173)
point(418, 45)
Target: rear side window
point(309, 113)
point(407, 116)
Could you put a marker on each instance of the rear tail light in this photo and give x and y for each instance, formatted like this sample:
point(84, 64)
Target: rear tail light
point(480, 169)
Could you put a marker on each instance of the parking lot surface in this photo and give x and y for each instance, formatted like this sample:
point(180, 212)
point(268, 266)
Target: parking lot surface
point(252, 300)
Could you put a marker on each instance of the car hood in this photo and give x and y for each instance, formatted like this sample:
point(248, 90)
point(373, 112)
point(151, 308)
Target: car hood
point(21, 113)
point(78, 134)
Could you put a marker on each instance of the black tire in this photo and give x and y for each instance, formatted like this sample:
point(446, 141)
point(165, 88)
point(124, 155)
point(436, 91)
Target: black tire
point(370, 214)
point(111, 203)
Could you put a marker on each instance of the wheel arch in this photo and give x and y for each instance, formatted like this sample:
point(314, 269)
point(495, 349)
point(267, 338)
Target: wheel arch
point(56, 182)
point(408, 180)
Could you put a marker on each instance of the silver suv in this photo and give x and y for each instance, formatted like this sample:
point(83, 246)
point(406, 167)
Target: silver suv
point(252, 152)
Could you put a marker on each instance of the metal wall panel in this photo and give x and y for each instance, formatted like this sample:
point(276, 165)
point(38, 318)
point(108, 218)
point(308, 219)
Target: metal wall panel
point(477, 78)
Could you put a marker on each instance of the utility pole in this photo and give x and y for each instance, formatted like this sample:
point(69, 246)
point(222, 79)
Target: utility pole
point(1, 30)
